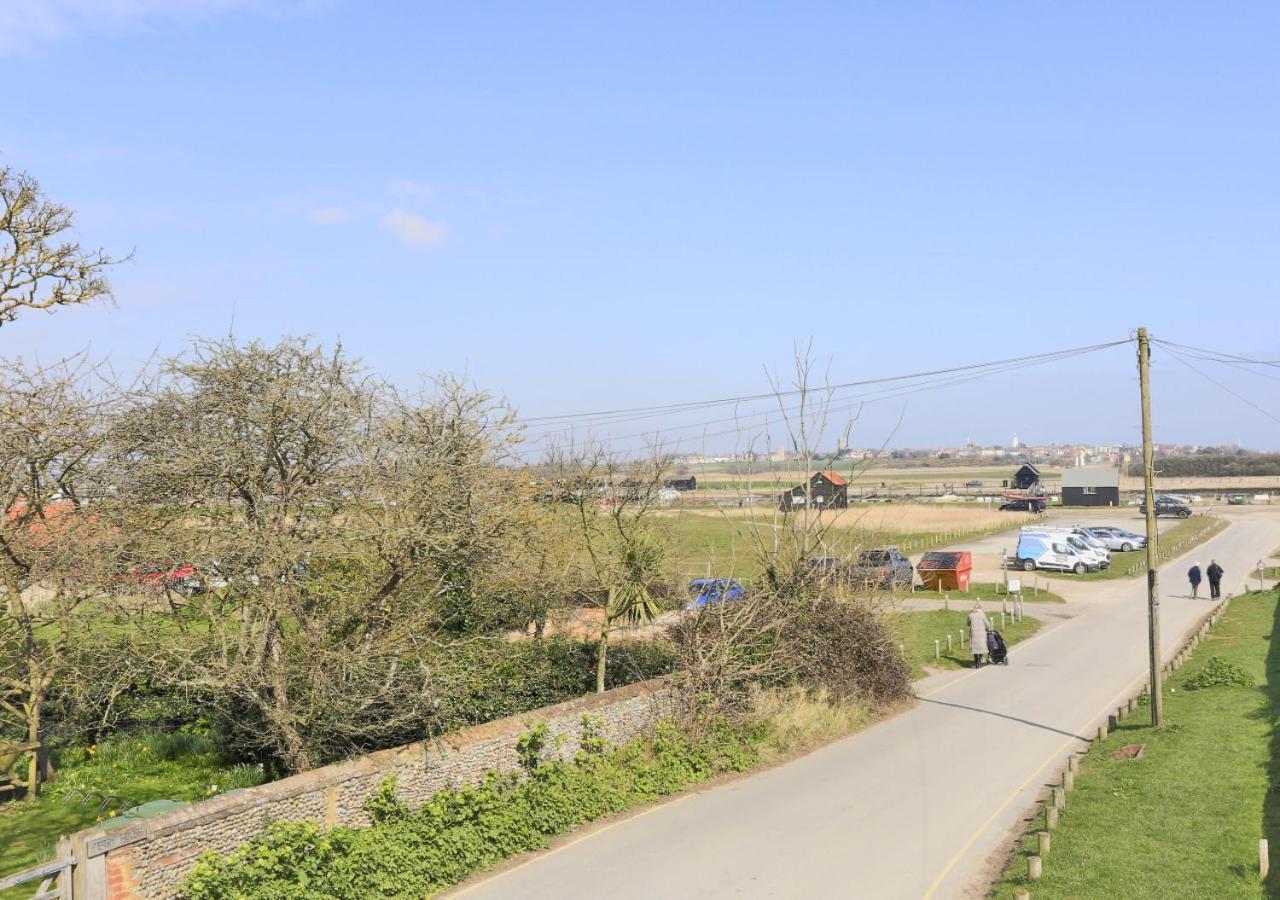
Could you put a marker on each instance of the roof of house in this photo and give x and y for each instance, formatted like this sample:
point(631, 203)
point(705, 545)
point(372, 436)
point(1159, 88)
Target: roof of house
point(1091, 476)
point(833, 477)
point(1030, 466)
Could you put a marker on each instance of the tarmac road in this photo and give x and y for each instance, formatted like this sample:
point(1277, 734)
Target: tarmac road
point(921, 805)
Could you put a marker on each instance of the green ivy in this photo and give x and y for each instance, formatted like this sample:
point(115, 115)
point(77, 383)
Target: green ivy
point(1218, 672)
point(462, 831)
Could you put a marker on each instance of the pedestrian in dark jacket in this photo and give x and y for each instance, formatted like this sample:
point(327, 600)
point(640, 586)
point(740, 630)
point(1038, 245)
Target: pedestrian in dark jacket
point(1215, 579)
point(1194, 576)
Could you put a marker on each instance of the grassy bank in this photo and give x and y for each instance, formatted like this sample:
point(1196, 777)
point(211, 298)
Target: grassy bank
point(1184, 819)
point(131, 770)
point(1186, 535)
point(918, 631)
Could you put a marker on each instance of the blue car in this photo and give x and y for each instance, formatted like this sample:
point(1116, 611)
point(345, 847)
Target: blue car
point(706, 591)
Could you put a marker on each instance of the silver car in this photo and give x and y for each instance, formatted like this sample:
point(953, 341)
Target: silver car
point(1117, 538)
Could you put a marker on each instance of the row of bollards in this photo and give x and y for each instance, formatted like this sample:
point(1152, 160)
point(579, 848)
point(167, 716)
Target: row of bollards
point(1056, 803)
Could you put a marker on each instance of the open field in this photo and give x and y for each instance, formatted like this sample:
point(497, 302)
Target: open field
point(724, 543)
point(1184, 819)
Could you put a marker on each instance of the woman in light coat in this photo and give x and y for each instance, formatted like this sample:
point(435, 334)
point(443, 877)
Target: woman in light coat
point(977, 634)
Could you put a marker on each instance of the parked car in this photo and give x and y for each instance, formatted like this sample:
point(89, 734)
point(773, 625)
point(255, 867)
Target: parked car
point(706, 591)
point(1118, 538)
point(1043, 550)
point(165, 576)
point(1237, 500)
point(1029, 504)
point(884, 568)
point(975, 483)
point(1168, 507)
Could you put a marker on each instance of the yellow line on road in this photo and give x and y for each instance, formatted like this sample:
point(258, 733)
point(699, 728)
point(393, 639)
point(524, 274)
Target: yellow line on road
point(1057, 754)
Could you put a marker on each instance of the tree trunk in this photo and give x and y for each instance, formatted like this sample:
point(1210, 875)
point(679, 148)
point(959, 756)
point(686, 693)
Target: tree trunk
point(34, 703)
point(602, 651)
point(295, 749)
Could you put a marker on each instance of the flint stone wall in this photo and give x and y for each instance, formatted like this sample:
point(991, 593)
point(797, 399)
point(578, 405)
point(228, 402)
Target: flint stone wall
point(151, 859)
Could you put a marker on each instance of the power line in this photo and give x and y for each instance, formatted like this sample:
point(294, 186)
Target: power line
point(703, 404)
point(1179, 357)
point(961, 375)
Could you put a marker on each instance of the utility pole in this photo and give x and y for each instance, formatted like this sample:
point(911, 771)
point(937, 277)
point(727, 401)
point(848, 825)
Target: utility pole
point(1149, 495)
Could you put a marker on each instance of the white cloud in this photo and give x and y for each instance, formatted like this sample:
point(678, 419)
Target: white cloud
point(412, 229)
point(27, 24)
point(329, 215)
point(407, 187)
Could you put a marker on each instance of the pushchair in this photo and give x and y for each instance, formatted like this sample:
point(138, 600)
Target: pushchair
point(997, 650)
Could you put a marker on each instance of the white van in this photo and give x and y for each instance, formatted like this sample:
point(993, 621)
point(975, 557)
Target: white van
point(1045, 550)
point(1088, 548)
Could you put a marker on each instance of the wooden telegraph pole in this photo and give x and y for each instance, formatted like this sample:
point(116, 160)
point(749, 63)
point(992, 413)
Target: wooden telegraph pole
point(1149, 495)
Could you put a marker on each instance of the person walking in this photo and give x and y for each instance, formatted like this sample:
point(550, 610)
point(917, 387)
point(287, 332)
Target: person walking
point(977, 634)
point(1215, 579)
point(1194, 576)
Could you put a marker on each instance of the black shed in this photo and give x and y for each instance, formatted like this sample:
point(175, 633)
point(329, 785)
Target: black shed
point(828, 490)
point(1026, 477)
point(682, 484)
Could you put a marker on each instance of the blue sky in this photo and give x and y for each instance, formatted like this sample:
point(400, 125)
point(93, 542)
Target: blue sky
point(591, 206)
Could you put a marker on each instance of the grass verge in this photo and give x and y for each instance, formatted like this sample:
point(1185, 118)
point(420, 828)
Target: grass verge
point(989, 591)
point(1184, 819)
point(918, 631)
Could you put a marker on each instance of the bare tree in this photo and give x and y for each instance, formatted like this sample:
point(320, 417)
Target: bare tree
point(39, 267)
point(340, 533)
point(53, 423)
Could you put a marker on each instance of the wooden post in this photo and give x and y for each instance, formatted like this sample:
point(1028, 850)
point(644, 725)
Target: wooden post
point(1102, 732)
point(1073, 765)
point(1021, 895)
point(948, 642)
point(1043, 841)
point(65, 877)
point(1002, 618)
point(1153, 533)
point(1051, 817)
point(946, 601)
point(937, 649)
point(1112, 722)
point(1059, 798)
point(1264, 858)
point(1034, 868)
point(1068, 780)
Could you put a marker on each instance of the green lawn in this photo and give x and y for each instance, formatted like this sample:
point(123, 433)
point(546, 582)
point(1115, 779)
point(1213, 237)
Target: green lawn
point(1174, 541)
point(987, 590)
point(140, 768)
point(918, 631)
point(1185, 819)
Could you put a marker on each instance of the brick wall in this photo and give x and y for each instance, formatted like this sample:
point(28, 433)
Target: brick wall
point(150, 859)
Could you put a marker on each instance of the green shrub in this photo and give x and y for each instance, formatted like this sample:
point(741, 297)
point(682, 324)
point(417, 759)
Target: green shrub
point(1218, 672)
point(459, 832)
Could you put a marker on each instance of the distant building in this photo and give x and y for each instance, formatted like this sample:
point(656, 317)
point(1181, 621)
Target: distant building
point(1091, 486)
point(1027, 477)
point(824, 490)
